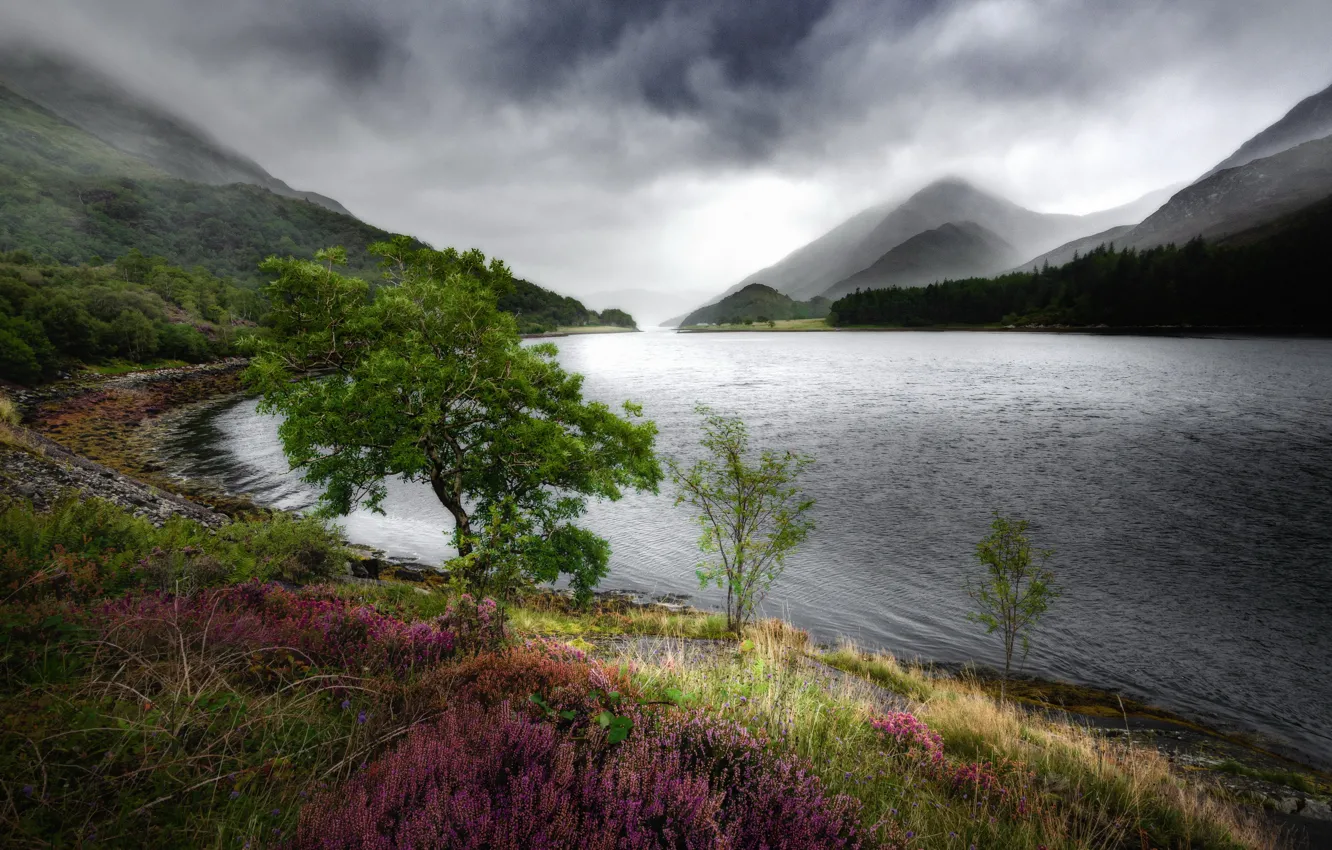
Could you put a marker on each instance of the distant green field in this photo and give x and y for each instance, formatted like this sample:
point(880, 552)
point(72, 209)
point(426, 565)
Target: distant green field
point(597, 329)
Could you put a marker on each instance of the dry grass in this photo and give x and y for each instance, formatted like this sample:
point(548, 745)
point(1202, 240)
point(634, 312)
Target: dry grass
point(1107, 793)
point(9, 414)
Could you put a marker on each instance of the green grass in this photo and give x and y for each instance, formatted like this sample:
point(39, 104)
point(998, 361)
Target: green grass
point(634, 621)
point(204, 754)
point(1288, 778)
point(125, 367)
point(881, 669)
point(596, 329)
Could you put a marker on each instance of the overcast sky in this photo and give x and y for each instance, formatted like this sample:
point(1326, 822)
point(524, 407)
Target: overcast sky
point(681, 144)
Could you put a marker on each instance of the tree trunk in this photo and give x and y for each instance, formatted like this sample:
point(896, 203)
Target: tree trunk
point(451, 499)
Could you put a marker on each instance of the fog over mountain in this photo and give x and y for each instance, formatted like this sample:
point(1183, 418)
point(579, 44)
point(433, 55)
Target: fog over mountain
point(98, 105)
point(955, 250)
point(682, 144)
point(1310, 119)
point(1282, 169)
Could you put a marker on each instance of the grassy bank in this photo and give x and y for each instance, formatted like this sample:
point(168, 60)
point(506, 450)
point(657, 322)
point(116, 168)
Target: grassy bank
point(160, 688)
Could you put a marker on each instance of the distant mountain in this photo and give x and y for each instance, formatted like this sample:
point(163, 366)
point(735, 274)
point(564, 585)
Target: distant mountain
point(131, 124)
point(650, 307)
point(862, 240)
point(1273, 276)
point(757, 302)
point(1237, 199)
point(955, 250)
point(70, 197)
point(1310, 119)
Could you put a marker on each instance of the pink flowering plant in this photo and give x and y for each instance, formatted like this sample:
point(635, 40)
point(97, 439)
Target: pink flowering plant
point(498, 779)
point(314, 634)
point(476, 624)
point(982, 783)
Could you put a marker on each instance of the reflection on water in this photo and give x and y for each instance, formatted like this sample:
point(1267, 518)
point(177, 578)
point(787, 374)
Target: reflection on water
point(1186, 485)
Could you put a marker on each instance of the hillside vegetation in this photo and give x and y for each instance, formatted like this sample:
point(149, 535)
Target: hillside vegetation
point(161, 689)
point(138, 310)
point(68, 197)
point(1274, 276)
point(756, 303)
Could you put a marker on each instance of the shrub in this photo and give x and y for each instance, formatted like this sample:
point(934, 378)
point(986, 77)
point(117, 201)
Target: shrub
point(282, 547)
point(475, 625)
point(495, 779)
point(182, 342)
point(80, 547)
point(562, 676)
point(269, 620)
point(981, 782)
point(183, 570)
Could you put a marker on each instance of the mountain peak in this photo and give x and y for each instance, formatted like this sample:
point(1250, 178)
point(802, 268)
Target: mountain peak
point(948, 187)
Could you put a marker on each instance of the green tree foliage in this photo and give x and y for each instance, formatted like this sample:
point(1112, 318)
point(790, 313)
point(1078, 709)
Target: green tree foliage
point(426, 380)
point(137, 309)
point(1015, 589)
point(1272, 277)
point(617, 318)
point(757, 302)
point(540, 310)
point(752, 513)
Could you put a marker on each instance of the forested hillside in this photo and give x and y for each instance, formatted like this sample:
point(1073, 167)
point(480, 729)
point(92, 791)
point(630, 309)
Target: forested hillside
point(71, 203)
point(137, 310)
point(68, 197)
point(1273, 277)
point(757, 303)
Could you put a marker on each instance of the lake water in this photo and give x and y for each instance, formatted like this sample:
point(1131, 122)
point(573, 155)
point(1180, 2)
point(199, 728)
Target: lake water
point(1185, 483)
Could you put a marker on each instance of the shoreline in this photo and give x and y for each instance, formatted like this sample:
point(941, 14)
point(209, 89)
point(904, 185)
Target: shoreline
point(132, 406)
point(582, 331)
point(1181, 331)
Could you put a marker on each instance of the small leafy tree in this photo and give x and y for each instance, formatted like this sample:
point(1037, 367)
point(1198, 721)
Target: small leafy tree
point(426, 379)
point(1015, 590)
point(752, 513)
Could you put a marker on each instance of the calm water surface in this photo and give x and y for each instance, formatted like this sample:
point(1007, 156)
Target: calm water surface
point(1186, 485)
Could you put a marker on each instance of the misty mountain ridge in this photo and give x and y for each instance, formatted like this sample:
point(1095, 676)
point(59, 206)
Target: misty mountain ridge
point(1282, 169)
point(1308, 120)
point(952, 251)
point(862, 240)
point(1237, 199)
point(128, 122)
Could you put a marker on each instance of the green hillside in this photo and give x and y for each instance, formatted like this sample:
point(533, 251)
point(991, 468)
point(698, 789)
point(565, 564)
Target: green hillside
point(756, 303)
point(68, 197)
point(1275, 276)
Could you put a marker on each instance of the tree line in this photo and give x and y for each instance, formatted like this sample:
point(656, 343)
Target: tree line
point(1276, 277)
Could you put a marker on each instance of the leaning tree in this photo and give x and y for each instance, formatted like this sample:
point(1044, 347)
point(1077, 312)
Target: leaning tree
point(423, 377)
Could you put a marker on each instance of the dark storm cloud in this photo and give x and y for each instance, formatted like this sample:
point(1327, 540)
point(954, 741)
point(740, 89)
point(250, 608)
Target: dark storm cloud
point(352, 46)
point(603, 143)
